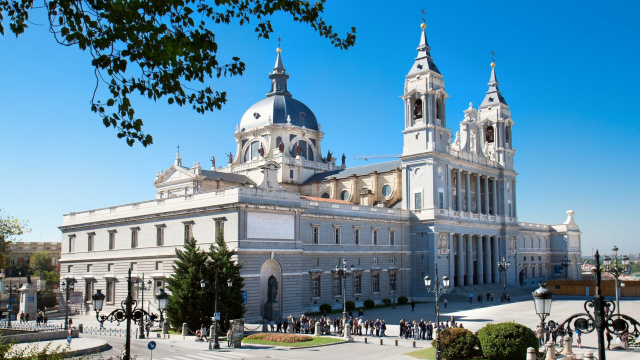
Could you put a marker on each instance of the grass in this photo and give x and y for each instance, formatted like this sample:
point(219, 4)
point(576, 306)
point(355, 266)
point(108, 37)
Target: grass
point(428, 353)
point(315, 342)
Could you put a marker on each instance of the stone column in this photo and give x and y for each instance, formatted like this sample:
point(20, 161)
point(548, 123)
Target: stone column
point(449, 197)
point(480, 260)
point(495, 253)
point(468, 192)
point(486, 195)
point(460, 264)
point(478, 195)
point(425, 108)
point(458, 194)
point(469, 257)
point(487, 259)
point(494, 200)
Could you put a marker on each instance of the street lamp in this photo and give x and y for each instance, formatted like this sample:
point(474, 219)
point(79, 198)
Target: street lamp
point(343, 273)
point(140, 286)
point(502, 268)
point(437, 289)
point(128, 311)
point(565, 264)
point(542, 302)
point(617, 268)
point(68, 286)
point(216, 314)
point(11, 287)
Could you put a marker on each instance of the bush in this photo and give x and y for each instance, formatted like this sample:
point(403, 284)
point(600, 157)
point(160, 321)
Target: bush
point(281, 338)
point(506, 341)
point(386, 301)
point(46, 299)
point(457, 343)
point(369, 304)
point(402, 300)
point(351, 306)
point(324, 307)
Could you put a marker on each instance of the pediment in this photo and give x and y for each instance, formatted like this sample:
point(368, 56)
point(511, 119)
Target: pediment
point(175, 174)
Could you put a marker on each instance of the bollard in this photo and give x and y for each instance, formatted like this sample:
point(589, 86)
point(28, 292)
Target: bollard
point(185, 329)
point(414, 343)
point(551, 351)
point(568, 346)
point(531, 354)
point(588, 356)
point(380, 341)
point(264, 326)
point(318, 329)
point(365, 340)
point(165, 327)
point(396, 342)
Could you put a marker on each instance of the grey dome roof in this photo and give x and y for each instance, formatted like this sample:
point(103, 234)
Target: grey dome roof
point(278, 108)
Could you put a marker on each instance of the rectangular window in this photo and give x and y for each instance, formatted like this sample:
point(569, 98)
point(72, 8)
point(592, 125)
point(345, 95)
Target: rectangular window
point(187, 232)
point(336, 235)
point(392, 237)
point(440, 200)
point(133, 266)
point(375, 282)
point(315, 286)
point(539, 258)
point(315, 235)
point(72, 241)
point(392, 261)
point(337, 285)
point(374, 261)
point(112, 239)
point(88, 269)
point(509, 210)
point(219, 228)
point(356, 236)
point(374, 236)
point(111, 291)
point(69, 268)
point(160, 235)
point(357, 283)
point(90, 238)
point(455, 202)
point(392, 281)
point(109, 267)
point(134, 238)
point(418, 200)
point(88, 290)
point(158, 265)
point(290, 174)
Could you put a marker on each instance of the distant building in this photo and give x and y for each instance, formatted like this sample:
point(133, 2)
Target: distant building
point(20, 252)
point(293, 213)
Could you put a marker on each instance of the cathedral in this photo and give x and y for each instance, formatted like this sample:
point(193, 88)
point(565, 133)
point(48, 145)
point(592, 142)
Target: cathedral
point(295, 215)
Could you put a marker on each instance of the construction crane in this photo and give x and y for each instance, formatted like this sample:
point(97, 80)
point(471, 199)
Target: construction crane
point(384, 156)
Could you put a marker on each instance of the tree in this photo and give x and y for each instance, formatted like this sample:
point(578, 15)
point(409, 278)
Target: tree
point(40, 261)
point(10, 227)
point(230, 303)
point(187, 302)
point(158, 49)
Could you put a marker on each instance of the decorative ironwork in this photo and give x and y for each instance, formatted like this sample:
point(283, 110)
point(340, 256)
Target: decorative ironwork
point(120, 315)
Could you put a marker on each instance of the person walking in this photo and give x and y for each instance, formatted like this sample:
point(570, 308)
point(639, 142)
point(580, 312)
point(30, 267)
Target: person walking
point(470, 298)
point(445, 303)
point(413, 305)
point(579, 338)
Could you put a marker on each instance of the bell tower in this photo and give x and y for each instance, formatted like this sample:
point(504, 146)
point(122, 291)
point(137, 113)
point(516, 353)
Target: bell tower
point(424, 99)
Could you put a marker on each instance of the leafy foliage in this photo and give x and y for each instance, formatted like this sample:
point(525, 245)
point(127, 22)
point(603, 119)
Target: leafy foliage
point(41, 260)
point(326, 307)
point(369, 304)
point(187, 302)
point(507, 340)
point(403, 300)
point(47, 299)
point(386, 301)
point(350, 305)
point(457, 343)
point(10, 227)
point(31, 352)
point(223, 265)
point(159, 49)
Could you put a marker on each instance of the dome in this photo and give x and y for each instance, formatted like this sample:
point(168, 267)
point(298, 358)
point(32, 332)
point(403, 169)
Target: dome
point(278, 108)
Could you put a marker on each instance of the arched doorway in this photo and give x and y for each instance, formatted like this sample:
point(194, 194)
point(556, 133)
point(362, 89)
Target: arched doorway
point(270, 290)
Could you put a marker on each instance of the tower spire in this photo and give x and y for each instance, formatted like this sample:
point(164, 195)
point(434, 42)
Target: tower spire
point(493, 96)
point(279, 76)
point(424, 62)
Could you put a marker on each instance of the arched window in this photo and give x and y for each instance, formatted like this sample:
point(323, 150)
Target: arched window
point(304, 149)
point(417, 109)
point(251, 153)
point(344, 195)
point(507, 134)
point(325, 195)
point(489, 135)
point(438, 109)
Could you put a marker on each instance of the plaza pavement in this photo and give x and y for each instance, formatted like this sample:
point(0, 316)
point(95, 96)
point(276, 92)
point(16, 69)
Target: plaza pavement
point(473, 317)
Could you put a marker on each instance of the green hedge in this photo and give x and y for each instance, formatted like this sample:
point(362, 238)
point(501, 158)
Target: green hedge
point(402, 300)
point(351, 306)
point(458, 343)
point(324, 307)
point(46, 299)
point(386, 301)
point(369, 304)
point(506, 341)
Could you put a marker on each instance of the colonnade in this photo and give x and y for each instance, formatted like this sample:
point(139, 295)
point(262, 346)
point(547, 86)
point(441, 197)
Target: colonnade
point(481, 198)
point(476, 259)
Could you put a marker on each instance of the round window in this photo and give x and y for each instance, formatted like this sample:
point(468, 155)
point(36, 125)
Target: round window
point(344, 195)
point(386, 190)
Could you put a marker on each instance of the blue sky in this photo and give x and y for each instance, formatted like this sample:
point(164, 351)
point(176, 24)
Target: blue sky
point(569, 71)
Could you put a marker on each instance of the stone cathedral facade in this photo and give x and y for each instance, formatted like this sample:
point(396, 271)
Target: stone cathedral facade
point(294, 214)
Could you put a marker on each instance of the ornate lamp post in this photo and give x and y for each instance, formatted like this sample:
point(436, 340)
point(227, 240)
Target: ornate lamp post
point(565, 264)
point(10, 287)
point(140, 286)
point(68, 287)
point(617, 268)
point(216, 315)
point(128, 311)
point(343, 273)
point(437, 289)
point(542, 301)
point(502, 268)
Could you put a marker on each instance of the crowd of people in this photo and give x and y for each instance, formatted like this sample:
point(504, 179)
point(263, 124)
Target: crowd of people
point(424, 330)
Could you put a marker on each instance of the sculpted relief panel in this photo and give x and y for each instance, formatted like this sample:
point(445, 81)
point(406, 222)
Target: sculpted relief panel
point(443, 243)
